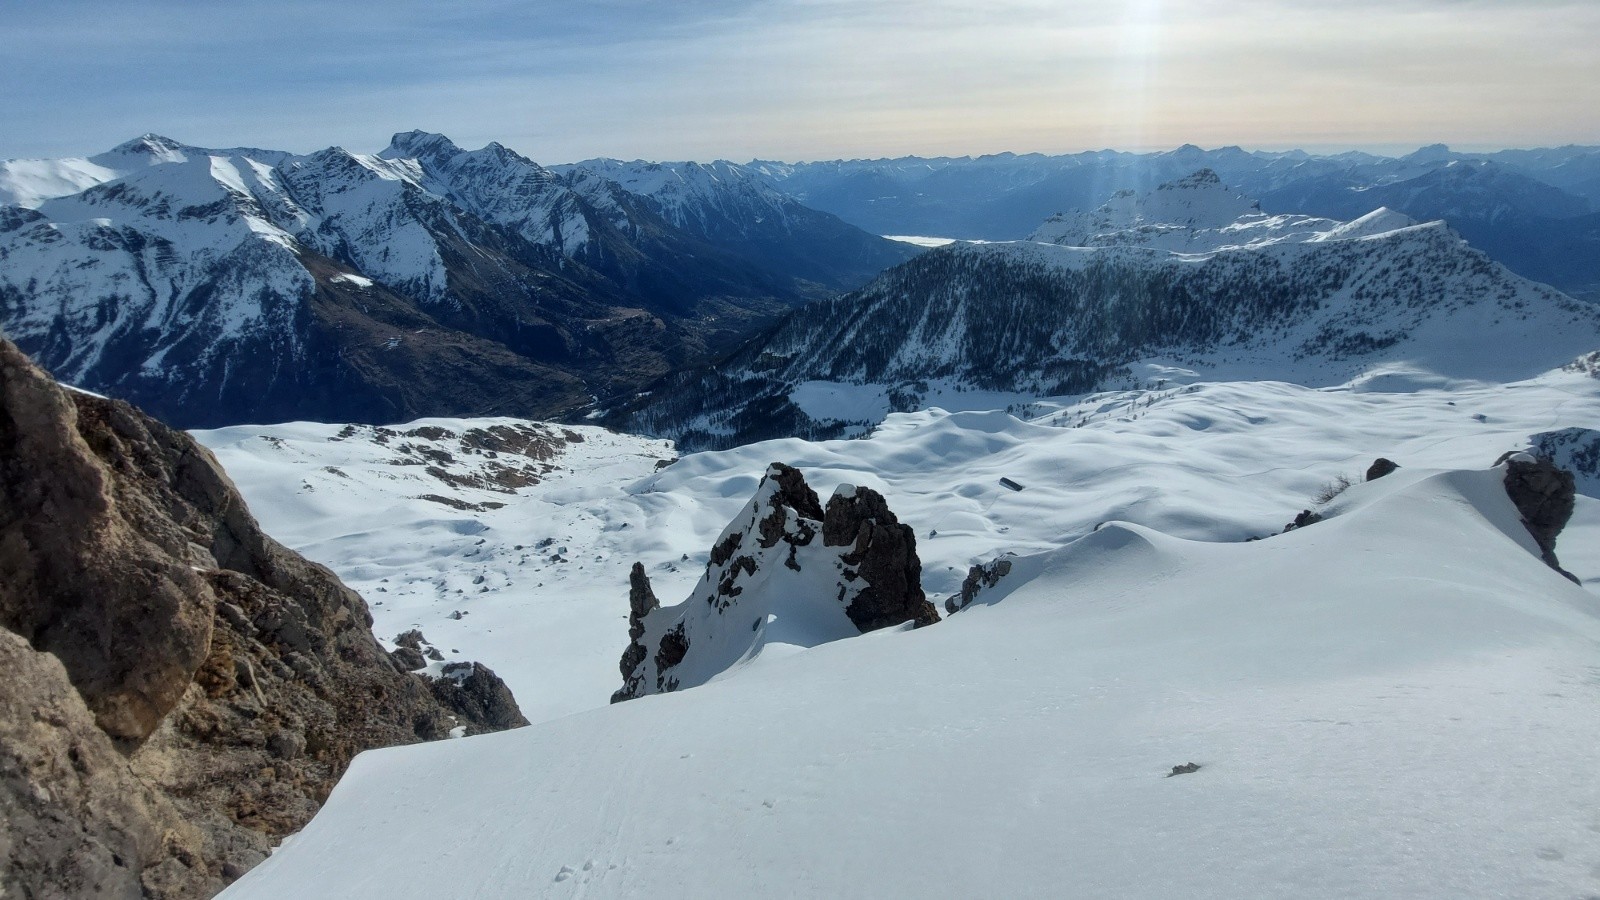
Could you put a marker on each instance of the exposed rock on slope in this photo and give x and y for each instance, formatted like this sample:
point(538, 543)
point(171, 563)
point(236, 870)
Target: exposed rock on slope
point(979, 578)
point(179, 685)
point(1545, 496)
point(787, 571)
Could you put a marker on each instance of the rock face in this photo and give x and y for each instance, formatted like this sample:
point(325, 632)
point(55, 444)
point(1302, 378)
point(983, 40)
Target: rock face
point(882, 553)
point(784, 570)
point(1545, 495)
point(477, 695)
point(178, 683)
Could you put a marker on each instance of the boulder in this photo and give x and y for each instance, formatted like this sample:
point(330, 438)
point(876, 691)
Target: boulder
point(883, 554)
point(1381, 467)
point(475, 693)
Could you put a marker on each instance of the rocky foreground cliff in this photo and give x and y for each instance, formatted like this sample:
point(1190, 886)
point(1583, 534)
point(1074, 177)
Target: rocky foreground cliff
point(181, 691)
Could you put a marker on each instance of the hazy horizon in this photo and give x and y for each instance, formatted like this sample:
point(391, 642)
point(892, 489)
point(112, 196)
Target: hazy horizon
point(800, 80)
point(373, 147)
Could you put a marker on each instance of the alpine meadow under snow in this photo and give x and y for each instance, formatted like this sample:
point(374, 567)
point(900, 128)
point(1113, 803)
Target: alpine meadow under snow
point(1202, 544)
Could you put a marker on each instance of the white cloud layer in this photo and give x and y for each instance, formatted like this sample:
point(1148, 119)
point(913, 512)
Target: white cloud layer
point(802, 79)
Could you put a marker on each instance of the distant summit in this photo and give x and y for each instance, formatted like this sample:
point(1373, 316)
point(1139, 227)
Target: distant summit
point(1189, 280)
point(1172, 215)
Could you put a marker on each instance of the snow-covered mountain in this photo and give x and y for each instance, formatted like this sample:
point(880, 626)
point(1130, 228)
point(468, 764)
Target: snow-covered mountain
point(224, 286)
point(1003, 196)
point(732, 207)
point(30, 182)
point(1196, 214)
point(1189, 281)
point(1536, 229)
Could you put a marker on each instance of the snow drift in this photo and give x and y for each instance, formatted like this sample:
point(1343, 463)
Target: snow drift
point(1398, 701)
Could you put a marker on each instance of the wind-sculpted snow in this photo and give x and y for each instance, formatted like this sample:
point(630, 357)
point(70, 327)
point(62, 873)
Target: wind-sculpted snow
point(541, 573)
point(1397, 701)
point(1179, 292)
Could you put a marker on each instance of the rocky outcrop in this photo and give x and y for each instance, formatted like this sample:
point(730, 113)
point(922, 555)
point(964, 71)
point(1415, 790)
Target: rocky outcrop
point(1545, 496)
point(74, 820)
point(1381, 467)
point(785, 562)
point(1303, 518)
point(979, 578)
point(178, 684)
point(476, 694)
point(882, 554)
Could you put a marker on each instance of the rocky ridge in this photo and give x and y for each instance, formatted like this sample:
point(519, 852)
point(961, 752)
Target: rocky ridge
point(183, 691)
point(796, 572)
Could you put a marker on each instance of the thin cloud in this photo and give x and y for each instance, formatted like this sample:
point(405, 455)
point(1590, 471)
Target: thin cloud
point(803, 78)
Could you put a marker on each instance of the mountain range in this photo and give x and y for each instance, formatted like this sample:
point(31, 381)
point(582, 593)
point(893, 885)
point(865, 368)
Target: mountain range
point(1191, 280)
point(218, 286)
point(1186, 547)
point(1532, 210)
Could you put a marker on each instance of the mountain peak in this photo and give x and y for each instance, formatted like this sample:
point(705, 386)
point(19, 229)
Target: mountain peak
point(1195, 203)
point(416, 144)
point(155, 147)
point(1199, 179)
point(1430, 153)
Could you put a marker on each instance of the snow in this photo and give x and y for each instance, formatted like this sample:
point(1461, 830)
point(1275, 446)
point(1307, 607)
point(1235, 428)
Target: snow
point(546, 618)
point(921, 241)
point(29, 182)
point(841, 401)
point(1400, 701)
point(1209, 461)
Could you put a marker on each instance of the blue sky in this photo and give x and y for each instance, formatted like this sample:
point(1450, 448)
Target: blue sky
point(801, 79)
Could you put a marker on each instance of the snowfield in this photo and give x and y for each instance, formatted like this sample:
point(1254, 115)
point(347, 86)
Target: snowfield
point(1400, 701)
point(542, 581)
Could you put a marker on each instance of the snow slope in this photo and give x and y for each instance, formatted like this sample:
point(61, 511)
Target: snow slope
point(1400, 701)
point(509, 559)
point(1212, 461)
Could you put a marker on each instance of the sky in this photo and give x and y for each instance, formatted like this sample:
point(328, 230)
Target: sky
point(801, 79)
